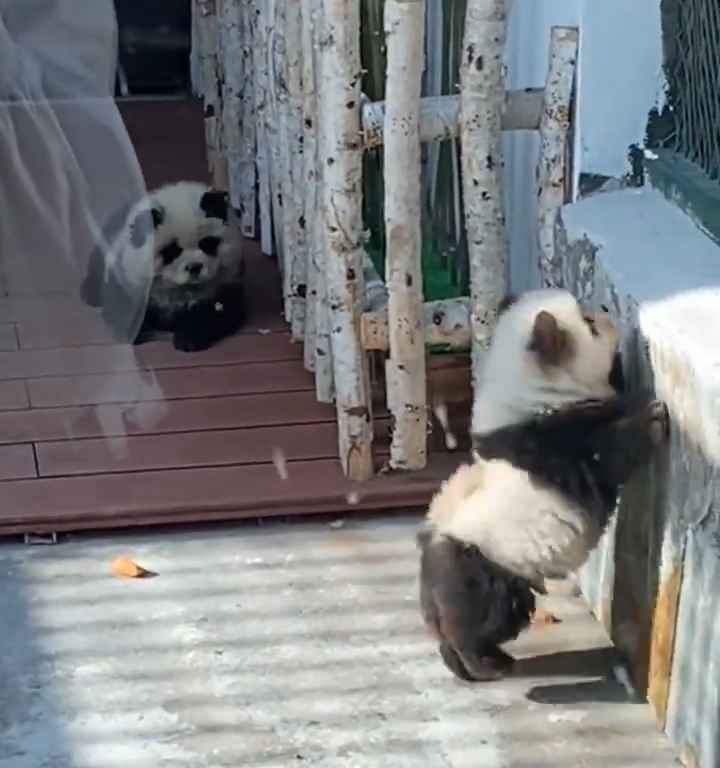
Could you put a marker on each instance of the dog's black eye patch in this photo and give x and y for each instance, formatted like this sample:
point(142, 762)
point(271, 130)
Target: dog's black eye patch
point(215, 205)
point(209, 245)
point(170, 252)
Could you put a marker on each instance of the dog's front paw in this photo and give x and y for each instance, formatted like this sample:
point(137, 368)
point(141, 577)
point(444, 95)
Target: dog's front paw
point(189, 343)
point(658, 421)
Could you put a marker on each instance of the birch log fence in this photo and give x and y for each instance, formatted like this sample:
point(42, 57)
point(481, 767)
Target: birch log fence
point(286, 128)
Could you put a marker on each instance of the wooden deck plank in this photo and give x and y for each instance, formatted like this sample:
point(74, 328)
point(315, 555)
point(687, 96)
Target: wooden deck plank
point(179, 451)
point(172, 384)
point(218, 493)
point(13, 396)
point(155, 355)
point(8, 337)
point(196, 414)
point(16, 463)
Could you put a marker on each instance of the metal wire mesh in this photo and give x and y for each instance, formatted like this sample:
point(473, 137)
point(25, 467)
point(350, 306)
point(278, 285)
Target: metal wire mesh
point(692, 53)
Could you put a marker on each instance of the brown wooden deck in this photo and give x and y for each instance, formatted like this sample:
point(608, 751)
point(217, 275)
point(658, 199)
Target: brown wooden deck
point(94, 434)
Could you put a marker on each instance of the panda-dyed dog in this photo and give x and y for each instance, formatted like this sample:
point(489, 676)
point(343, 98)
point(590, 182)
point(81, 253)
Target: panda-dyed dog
point(172, 247)
point(554, 438)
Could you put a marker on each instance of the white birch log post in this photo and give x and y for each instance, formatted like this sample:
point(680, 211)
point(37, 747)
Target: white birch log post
point(196, 42)
point(233, 76)
point(246, 170)
point(309, 185)
point(294, 192)
point(342, 154)
point(207, 46)
point(275, 40)
point(219, 174)
point(324, 368)
point(440, 116)
point(405, 368)
point(554, 127)
point(446, 324)
point(481, 99)
point(262, 109)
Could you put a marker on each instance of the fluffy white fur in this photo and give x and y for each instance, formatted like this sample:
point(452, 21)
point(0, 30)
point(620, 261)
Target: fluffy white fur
point(514, 386)
point(533, 531)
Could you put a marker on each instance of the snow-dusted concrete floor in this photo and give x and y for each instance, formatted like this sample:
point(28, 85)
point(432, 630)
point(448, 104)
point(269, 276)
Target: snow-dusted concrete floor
point(283, 645)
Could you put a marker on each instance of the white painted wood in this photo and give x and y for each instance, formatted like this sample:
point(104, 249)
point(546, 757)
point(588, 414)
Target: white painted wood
point(481, 99)
point(554, 127)
point(440, 116)
point(405, 367)
point(446, 323)
point(341, 153)
point(262, 110)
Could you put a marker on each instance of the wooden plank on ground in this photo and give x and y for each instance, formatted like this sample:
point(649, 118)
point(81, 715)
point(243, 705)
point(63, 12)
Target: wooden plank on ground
point(212, 381)
point(218, 493)
point(117, 420)
point(13, 396)
point(178, 451)
point(8, 337)
point(16, 462)
point(156, 355)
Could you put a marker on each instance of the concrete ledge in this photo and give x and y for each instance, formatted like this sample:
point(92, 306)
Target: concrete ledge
point(655, 581)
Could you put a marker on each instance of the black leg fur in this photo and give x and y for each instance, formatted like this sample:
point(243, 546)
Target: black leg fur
point(208, 322)
point(621, 446)
point(472, 606)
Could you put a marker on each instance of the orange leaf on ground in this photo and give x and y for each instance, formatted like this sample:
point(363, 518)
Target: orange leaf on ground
point(125, 568)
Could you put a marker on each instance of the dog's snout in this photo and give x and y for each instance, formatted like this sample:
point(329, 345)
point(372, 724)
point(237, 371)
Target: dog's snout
point(194, 269)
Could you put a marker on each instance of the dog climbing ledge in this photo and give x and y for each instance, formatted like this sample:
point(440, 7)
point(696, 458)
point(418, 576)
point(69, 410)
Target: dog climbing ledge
point(655, 580)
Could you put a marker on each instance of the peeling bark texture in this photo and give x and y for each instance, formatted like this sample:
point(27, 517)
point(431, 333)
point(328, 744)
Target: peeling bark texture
point(317, 259)
point(219, 171)
point(405, 368)
point(554, 127)
point(440, 116)
point(247, 169)
point(274, 52)
point(446, 324)
point(230, 37)
point(262, 110)
point(294, 188)
point(481, 99)
point(309, 186)
point(341, 153)
point(207, 42)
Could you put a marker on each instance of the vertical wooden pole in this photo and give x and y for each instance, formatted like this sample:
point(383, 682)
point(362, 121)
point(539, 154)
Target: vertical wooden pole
point(405, 368)
point(554, 128)
point(481, 104)
point(262, 109)
point(341, 152)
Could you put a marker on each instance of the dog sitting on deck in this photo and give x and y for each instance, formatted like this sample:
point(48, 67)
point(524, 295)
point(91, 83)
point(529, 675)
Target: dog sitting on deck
point(176, 240)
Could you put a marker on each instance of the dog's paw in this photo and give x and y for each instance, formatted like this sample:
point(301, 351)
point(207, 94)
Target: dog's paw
point(188, 343)
point(658, 421)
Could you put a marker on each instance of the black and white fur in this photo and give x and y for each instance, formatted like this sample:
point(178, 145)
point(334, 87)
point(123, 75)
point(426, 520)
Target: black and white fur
point(171, 250)
point(554, 437)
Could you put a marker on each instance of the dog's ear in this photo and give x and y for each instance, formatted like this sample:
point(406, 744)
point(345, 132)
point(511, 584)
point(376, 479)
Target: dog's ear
point(215, 204)
point(144, 224)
